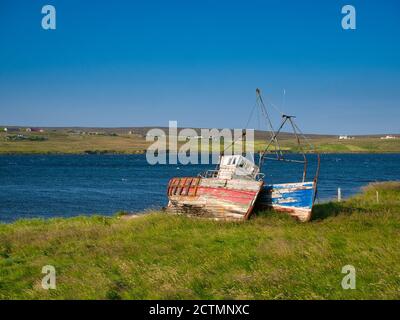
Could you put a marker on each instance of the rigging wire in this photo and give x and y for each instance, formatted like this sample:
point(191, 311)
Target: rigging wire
point(243, 134)
point(274, 134)
point(274, 140)
point(264, 111)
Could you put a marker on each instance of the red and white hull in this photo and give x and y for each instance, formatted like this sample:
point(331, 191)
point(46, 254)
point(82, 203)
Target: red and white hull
point(225, 199)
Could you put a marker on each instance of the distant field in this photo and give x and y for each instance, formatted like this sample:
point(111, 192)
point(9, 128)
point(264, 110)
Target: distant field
point(158, 256)
point(62, 142)
point(333, 145)
point(120, 141)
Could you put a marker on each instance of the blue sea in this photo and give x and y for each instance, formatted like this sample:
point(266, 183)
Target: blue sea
point(44, 186)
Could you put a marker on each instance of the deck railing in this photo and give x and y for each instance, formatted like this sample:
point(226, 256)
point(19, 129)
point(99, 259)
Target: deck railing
point(214, 174)
point(209, 174)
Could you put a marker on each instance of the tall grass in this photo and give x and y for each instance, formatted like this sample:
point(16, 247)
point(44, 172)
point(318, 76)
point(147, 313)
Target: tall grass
point(173, 257)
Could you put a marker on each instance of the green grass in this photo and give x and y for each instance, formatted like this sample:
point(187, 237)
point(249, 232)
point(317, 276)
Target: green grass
point(172, 257)
point(64, 143)
point(333, 145)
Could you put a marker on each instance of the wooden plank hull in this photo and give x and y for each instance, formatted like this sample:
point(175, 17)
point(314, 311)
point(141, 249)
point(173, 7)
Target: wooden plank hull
point(297, 199)
point(222, 199)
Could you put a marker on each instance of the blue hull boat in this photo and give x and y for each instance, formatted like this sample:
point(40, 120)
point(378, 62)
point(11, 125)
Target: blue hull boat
point(296, 199)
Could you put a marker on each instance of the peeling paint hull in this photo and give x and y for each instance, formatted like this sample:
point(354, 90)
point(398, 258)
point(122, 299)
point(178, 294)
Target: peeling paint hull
point(235, 199)
point(296, 199)
point(220, 199)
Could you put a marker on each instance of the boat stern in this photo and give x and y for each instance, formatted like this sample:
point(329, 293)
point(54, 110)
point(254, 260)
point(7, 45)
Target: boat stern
point(296, 199)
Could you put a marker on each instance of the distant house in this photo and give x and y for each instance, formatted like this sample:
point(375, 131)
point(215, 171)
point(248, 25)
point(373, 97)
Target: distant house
point(197, 137)
point(154, 135)
point(388, 137)
point(345, 137)
point(133, 132)
point(11, 129)
point(192, 137)
point(73, 132)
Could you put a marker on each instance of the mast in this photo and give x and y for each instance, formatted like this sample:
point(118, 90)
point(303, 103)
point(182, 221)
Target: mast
point(273, 141)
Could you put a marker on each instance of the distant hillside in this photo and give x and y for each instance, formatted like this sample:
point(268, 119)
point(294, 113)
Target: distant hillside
point(259, 134)
point(132, 140)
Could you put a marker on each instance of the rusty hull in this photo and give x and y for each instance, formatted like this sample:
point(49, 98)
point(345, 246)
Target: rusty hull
point(220, 199)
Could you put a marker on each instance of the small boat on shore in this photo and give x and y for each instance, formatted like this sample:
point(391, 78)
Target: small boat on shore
point(227, 193)
point(237, 187)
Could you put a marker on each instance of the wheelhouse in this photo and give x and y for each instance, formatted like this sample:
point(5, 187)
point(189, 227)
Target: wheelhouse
point(237, 166)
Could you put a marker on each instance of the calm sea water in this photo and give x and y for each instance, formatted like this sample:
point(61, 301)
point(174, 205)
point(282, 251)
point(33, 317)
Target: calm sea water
point(67, 185)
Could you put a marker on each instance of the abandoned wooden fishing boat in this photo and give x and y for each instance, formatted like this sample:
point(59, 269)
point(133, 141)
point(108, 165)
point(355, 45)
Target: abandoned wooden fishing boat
point(227, 193)
point(237, 187)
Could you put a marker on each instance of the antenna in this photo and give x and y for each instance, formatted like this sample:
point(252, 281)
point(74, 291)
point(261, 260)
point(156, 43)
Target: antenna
point(286, 119)
point(283, 99)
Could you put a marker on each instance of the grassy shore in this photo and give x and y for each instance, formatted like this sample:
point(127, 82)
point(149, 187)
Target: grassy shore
point(334, 145)
point(65, 142)
point(174, 257)
point(61, 142)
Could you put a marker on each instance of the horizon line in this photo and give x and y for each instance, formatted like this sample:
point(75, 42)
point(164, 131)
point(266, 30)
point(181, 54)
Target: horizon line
point(187, 127)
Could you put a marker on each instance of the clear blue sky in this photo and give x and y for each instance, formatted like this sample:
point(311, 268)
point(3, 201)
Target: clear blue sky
point(139, 63)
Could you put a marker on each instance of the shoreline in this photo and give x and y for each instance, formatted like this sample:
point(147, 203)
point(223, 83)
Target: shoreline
point(122, 142)
point(129, 215)
point(140, 152)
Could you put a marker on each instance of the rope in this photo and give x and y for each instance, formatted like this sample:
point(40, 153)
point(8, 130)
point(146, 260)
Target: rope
point(247, 123)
